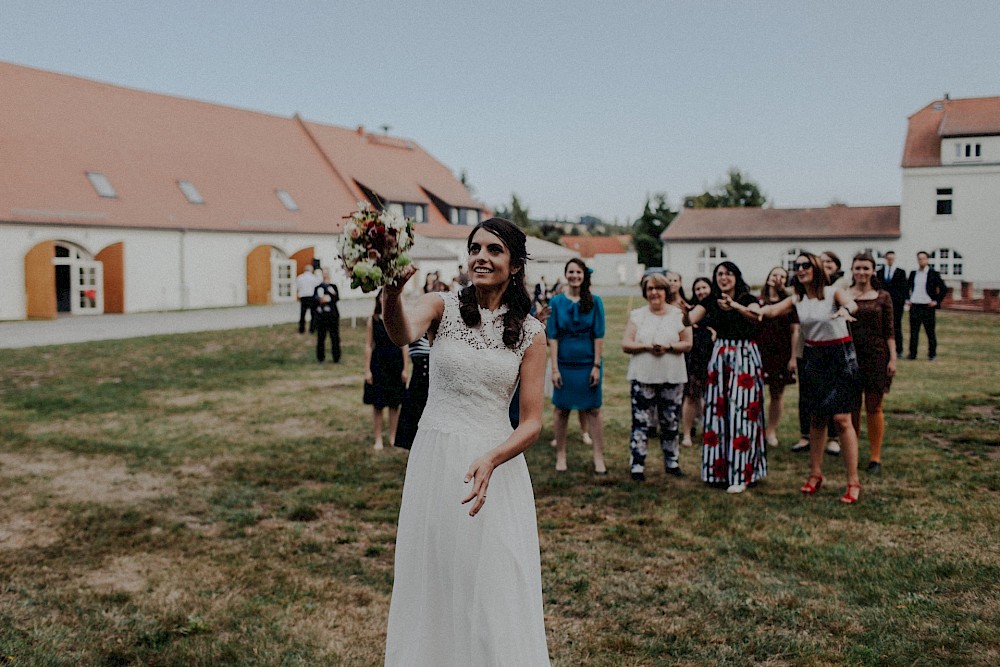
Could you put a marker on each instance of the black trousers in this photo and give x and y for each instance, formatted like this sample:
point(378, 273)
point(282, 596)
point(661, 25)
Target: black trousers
point(326, 324)
point(922, 315)
point(897, 325)
point(307, 304)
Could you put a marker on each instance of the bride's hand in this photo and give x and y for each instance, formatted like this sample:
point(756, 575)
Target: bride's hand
point(479, 473)
point(395, 287)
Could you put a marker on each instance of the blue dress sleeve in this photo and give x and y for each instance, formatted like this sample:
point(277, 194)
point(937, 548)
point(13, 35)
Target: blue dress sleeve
point(550, 325)
point(598, 317)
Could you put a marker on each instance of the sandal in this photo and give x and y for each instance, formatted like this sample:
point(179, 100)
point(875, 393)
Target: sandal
point(848, 498)
point(812, 484)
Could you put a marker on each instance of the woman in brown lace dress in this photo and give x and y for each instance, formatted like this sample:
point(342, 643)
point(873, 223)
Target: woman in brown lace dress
point(876, 348)
point(774, 338)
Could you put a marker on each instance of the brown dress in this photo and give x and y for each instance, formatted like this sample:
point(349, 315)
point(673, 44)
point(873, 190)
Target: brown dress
point(774, 338)
point(871, 334)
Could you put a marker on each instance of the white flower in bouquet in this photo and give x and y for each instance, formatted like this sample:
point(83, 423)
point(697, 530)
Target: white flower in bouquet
point(373, 247)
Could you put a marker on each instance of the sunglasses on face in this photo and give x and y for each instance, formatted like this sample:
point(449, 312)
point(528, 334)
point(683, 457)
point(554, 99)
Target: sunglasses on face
point(801, 266)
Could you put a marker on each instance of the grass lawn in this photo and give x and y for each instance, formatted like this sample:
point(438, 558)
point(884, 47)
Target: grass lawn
point(213, 499)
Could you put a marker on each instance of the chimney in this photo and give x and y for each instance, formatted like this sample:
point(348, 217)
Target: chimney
point(361, 130)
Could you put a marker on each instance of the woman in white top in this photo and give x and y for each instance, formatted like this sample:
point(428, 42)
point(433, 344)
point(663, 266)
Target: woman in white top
point(657, 339)
point(829, 377)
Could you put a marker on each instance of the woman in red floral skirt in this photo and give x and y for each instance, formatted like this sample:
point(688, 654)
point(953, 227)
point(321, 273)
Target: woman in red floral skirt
point(734, 452)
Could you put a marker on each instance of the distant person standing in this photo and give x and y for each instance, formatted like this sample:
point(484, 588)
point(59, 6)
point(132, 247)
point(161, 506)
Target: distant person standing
point(327, 318)
point(306, 284)
point(894, 281)
point(927, 289)
point(463, 277)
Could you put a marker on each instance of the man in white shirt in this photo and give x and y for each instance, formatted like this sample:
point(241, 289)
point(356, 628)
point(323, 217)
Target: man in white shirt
point(306, 284)
point(927, 289)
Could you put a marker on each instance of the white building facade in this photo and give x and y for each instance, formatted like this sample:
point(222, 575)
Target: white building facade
point(951, 190)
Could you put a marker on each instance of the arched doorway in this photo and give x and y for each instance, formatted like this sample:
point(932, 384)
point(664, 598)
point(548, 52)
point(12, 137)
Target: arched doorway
point(62, 277)
point(270, 276)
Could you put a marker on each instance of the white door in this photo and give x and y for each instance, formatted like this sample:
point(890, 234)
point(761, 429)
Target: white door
point(282, 280)
point(86, 287)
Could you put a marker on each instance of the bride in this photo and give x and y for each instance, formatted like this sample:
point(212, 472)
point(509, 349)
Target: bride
point(468, 588)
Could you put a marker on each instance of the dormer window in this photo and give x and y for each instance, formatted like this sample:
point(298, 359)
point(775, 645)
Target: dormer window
point(415, 212)
point(465, 216)
point(102, 186)
point(286, 200)
point(191, 192)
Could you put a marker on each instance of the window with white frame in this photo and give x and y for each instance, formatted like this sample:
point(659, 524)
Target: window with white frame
point(465, 216)
point(708, 258)
point(968, 151)
point(944, 201)
point(947, 261)
point(415, 212)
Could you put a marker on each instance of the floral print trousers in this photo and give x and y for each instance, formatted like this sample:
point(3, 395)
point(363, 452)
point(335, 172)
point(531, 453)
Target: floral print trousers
point(734, 449)
point(647, 401)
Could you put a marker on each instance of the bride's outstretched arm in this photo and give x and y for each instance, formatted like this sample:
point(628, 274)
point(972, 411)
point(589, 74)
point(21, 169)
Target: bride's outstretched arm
point(407, 324)
point(530, 425)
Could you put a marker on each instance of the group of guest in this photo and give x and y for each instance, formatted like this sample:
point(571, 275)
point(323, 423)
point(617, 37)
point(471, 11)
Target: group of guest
point(714, 354)
point(710, 356)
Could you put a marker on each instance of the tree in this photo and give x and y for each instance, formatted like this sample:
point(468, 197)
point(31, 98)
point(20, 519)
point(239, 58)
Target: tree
point(647, 229)
point(737, 191)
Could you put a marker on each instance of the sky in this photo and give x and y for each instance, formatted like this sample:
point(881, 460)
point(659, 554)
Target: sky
point(577, 107)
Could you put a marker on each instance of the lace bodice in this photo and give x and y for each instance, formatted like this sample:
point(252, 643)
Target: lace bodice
point(472, 373)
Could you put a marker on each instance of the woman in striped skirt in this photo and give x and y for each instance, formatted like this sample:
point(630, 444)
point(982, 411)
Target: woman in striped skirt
point(734, 454)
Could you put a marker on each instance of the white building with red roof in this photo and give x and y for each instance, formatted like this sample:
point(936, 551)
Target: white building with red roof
point(612, 258)
point(951, 189)
point(758, 239)
point(950, 208)
point(118, 200)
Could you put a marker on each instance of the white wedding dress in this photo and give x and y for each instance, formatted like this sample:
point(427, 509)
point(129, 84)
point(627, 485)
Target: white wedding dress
point(467, 590)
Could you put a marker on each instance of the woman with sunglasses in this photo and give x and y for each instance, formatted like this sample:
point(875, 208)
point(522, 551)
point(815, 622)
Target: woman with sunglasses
point(734, 454)
point(829, 375)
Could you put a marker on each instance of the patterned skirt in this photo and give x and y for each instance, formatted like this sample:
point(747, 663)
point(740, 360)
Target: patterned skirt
point(733, 449)
point(829, 377)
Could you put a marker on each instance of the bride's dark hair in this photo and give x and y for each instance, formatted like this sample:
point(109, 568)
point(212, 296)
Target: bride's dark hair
point(515, 296)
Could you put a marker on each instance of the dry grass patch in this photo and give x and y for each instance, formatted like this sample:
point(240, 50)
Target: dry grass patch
point(66, 477)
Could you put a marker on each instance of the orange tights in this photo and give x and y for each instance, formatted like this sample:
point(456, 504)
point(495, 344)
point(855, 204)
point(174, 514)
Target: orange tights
point(875, 421)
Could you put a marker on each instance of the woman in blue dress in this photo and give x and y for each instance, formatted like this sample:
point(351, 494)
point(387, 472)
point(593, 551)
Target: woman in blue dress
point(576, 340)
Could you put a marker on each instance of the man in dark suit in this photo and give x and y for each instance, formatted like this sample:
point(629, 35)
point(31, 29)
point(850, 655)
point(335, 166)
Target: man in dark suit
point(894, 282)
point(927, 289)
point(328, 318)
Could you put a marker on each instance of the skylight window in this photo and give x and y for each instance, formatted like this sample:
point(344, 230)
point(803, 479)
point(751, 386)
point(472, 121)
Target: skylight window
point(191, 192)
point(287, 200)
point(102, 186)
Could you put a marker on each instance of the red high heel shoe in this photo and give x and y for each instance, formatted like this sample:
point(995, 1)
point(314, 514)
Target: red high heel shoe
point(812, 484)
point(849, 499)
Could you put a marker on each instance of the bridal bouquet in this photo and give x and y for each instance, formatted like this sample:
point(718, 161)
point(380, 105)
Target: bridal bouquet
point(374, 245)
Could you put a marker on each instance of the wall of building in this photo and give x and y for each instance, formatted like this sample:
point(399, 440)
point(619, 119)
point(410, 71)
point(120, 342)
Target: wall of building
point(615, 269)
point(972, 227)
point(757, 258)
point(163, 269)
